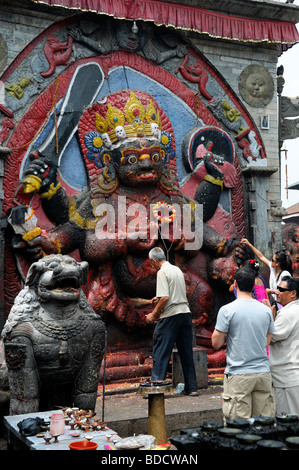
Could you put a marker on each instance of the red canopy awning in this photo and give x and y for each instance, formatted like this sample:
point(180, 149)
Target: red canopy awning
point(189, 18)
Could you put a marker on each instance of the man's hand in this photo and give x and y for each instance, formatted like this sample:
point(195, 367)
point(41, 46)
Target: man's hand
point(151, 317)
point(155, 314)
point(272, 307)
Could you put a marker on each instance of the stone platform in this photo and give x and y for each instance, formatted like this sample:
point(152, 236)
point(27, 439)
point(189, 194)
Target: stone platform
point(127, 412)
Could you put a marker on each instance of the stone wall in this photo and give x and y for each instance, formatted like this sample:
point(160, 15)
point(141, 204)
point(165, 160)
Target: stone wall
point(21, 22)
point(262, 184)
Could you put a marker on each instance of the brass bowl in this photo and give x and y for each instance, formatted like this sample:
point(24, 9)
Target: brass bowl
point(229, 432)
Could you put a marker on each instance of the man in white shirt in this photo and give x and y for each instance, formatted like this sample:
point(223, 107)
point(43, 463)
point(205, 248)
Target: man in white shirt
point(284, 348)
point(174, 322)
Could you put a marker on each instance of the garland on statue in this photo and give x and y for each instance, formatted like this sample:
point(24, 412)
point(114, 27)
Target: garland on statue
point(159, 208)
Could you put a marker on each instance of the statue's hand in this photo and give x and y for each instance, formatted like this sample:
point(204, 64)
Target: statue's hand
point(181, 50)
point(43, 244)
point(35, 248)
point(212, 169)
point(218, 159)
point(39, 175)
point(233, 245)
point(76, 33)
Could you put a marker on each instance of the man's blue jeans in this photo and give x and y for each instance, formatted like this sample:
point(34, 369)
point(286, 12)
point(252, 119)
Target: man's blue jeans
point(168, 332)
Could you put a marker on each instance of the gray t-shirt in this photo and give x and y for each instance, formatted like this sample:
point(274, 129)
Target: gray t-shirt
point(247, 323)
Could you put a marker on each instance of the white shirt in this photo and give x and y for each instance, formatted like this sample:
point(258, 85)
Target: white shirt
point(273, 281)
point(171, 283)
point(284, 352)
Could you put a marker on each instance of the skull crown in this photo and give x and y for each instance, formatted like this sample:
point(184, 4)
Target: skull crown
point(135, 121)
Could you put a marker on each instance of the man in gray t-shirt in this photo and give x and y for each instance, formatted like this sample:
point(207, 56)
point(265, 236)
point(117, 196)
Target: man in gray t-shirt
point(246, 326)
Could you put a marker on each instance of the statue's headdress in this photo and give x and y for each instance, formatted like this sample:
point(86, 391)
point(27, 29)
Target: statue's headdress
point(134, 121)
point(119, 117)
point(123, 115)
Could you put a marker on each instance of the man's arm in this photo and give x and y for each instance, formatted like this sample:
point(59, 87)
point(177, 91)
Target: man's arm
point(218, 339)
point(269, 337)
point(154, 315)
point(257, 253)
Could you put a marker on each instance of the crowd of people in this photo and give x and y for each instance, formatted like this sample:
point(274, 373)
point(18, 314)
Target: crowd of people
point(259, 329)
point(261, 319)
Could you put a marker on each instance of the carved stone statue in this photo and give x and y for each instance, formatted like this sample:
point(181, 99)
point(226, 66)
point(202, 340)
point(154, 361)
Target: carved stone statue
point(105, 36)
point(54, 342)
point(256, 86)
point(96, 156)
point(127, 147)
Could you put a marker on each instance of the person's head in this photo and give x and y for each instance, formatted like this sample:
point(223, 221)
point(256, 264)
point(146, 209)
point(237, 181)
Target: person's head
point(253, 264)
point(245, 278)
point(157, 257)
point(288, 290)
point(282, 261)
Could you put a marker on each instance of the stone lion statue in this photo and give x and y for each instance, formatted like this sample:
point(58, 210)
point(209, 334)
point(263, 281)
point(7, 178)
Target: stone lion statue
point(54, 342)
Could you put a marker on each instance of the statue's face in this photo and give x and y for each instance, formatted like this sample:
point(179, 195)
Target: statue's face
point(128, 40)
point(141, 162)
point(59, 278)
point(256, 85)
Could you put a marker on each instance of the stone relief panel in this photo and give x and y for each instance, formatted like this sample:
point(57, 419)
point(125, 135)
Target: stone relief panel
point(69, 132)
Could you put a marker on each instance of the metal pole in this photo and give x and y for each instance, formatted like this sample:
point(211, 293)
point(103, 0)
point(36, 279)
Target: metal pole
point(104, 378)
point(156, 417)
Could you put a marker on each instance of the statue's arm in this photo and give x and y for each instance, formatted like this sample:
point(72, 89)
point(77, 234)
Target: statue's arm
point(85, 391)
point(22, 375)
point(41, 177)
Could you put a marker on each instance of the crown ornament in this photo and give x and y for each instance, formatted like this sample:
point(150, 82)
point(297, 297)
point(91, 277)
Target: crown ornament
point(123, 115)
point(134, 121)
